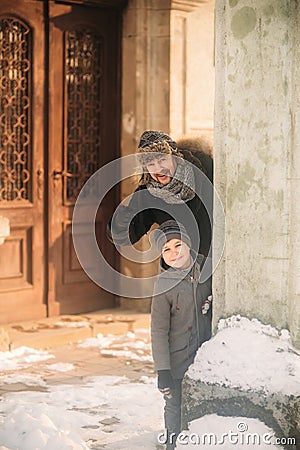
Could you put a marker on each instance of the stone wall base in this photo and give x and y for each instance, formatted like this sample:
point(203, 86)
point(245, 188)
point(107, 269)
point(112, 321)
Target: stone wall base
point(279, 412)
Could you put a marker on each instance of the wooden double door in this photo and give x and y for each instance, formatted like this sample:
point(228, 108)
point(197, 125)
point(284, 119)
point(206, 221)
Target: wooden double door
point(59, 123)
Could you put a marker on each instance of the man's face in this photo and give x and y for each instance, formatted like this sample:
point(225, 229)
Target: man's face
point(162, 169)
point(176, 254)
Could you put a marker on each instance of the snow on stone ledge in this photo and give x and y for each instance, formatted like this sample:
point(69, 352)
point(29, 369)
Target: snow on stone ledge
point(248, 355)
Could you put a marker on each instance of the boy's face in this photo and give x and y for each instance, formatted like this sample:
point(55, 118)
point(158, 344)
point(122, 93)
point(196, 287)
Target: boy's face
point(162, 169)
point(176, 253)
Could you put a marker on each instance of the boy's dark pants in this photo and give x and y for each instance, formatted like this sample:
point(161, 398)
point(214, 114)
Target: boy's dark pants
point(173, 415)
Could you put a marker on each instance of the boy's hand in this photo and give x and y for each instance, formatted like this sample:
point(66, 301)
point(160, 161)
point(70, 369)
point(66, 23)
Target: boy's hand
point(206, 304)
point(165, 382)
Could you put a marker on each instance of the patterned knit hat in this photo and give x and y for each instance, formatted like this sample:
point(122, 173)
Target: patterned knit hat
point(154, 142)
point(170, 230)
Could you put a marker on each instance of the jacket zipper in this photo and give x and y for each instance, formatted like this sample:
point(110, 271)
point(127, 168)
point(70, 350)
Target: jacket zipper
point(195, 284)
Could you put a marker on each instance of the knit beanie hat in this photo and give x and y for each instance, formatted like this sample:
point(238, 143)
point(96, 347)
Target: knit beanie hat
point(170, 230)
point(154, 142)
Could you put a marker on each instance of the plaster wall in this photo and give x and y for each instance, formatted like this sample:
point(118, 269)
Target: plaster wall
point(200, 80)
point(192, 75)
point(257, 161)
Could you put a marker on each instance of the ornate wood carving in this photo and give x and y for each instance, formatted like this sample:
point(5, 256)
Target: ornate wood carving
point(83, 86)
point(15, 110)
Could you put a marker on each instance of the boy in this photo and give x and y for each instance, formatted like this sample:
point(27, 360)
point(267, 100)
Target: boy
point(180, 318)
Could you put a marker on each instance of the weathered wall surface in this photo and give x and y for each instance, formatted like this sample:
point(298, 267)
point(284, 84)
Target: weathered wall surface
point(192, 71)
point(257, 159)
point(201, 76)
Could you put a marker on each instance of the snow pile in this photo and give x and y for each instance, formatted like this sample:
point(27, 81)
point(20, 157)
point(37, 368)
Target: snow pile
point(249, 355)
point(40, 427)
point(134, 346)
point(21, 357)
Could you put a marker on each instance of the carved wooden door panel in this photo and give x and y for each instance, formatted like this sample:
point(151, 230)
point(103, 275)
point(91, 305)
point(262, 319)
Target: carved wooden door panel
point(22, 256)
point(83, 136)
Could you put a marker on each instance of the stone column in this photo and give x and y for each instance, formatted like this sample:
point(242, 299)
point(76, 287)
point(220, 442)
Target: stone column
point(257, 160)
point(294, 156)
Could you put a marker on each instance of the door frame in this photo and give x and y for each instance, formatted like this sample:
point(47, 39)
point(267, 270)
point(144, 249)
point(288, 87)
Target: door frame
point(112, 128)
point(24, 296)
point(27, 304)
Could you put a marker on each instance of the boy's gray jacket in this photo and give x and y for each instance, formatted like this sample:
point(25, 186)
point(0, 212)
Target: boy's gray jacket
point(178, 327)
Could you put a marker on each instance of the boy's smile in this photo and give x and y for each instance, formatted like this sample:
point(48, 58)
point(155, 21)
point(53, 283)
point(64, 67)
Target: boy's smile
point(176, 254)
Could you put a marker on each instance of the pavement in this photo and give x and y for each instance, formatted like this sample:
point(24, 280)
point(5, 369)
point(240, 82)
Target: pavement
point(62, 335)
point(53, 332)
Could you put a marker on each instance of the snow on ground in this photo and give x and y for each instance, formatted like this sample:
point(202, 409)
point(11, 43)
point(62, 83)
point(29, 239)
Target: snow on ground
point(135, 346)
point(249, 355)
point(106, 411)
point(213, 431)
point(21, 357)
point(72, 324)
point(60, 367)
point(115, 413)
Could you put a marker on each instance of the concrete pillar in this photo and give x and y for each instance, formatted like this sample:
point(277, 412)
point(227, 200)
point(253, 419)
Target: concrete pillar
point(294, 247)
point(257, 160)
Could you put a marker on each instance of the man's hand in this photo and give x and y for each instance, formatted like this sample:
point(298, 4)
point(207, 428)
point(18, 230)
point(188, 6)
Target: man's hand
point(118, 228)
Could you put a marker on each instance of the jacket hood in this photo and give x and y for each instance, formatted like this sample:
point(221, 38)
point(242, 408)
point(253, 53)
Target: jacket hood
point(196, 144)
point(199, 151)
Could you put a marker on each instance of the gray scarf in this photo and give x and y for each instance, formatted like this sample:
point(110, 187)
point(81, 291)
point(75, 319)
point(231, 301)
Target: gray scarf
point(180, 189)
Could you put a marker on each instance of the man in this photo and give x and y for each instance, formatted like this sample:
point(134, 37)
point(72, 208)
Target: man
point(168, 186)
